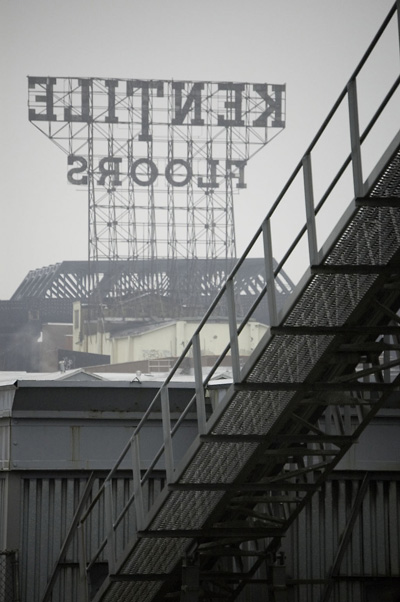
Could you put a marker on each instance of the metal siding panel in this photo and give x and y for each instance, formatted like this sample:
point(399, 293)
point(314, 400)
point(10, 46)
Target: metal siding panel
point(48, 505)
point(381, 530)
point(308, 555)
point(367, 538)
point(122, 492)
point(342, 514)
point(357, 547)
point(373, 527)
point(334, 519)
point(393, 531)
point(351, 490)
point(41, 535)
point(315, 537)
point(321, 510)
point(2, 504)
point(290, 544)
point(326, 496)
point(373, 549)
point(302, 537)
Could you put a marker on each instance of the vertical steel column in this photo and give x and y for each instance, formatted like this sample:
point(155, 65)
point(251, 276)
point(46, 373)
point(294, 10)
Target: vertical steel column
point(137, 483)
point(269, 273)
point(151, 210)
point(210, 252)
point(310, 212)
point(166, 423)
point(230, 293)
point(398, 19)
point(229, 235)
point(198, 376)
point(93, 242)
point(112, 223)
point(355, 139)
point(191, 250)
point(171, 252)
point(92, 209)
point(132, 226)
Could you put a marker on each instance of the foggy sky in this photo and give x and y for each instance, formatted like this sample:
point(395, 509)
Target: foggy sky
point(312, 46)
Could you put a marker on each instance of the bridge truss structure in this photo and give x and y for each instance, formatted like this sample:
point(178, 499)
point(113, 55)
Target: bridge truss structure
point(329, 361)
point(185, 287)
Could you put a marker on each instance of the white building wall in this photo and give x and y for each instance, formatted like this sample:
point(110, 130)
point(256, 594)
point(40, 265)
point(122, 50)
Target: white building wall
point(169, 340)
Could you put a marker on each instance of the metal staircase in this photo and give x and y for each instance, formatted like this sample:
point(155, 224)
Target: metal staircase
point(327, 364)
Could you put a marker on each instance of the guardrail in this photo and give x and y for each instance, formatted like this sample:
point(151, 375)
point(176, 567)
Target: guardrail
point(295, 235)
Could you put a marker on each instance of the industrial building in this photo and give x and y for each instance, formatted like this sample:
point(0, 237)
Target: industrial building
point(55, 310)
point(60, 432)
point(265, 467)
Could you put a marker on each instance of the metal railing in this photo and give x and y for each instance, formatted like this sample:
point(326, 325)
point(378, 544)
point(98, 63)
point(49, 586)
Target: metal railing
point(296, 244)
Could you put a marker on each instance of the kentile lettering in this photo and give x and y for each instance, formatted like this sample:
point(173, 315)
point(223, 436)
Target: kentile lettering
point(139, 106)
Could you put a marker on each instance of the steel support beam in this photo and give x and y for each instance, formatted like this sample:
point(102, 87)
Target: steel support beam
point(238, 533)
point(334, 330)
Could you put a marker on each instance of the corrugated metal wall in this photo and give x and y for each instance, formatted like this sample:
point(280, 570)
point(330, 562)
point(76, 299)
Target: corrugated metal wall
point(9, 583)
point(369, 570)
point(47, 508)
point(373, 549)
point(2, 508)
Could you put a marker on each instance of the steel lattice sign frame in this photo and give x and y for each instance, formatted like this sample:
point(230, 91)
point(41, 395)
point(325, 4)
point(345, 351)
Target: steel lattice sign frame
point(162, 160)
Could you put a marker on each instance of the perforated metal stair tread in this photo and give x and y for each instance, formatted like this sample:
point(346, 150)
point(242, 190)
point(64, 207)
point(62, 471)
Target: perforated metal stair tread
point(371, 238)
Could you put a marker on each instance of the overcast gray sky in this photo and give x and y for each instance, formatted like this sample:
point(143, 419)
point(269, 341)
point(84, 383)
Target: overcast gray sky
point(311, 45)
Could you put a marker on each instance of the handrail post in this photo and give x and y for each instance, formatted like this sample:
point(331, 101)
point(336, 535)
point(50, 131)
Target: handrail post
point(355, 139)
point(198, 376)
point(137, 484)
point(269, 273)
point(108, 515)
point(233, 331)
point(166, 424)
point(398, 20)
point(310, 211)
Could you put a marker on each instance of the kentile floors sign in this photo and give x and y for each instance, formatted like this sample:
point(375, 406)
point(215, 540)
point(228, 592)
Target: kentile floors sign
point(142, 108)
point(161, 160)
